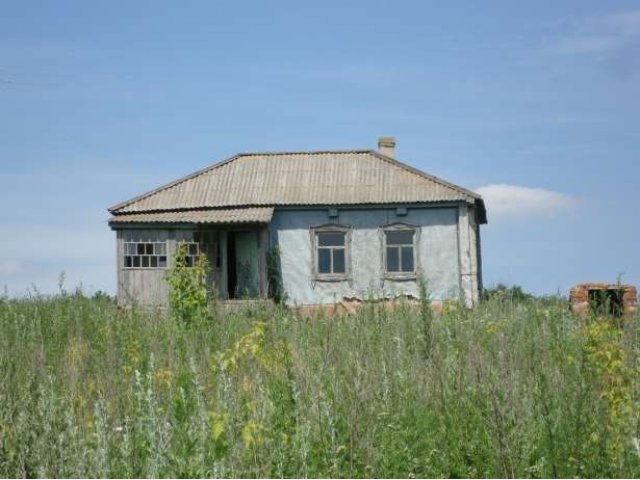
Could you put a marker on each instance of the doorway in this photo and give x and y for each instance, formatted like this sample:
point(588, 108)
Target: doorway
point(242, 264)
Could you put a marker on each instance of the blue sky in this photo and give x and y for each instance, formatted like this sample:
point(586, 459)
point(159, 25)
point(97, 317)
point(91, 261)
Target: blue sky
point(534, 104)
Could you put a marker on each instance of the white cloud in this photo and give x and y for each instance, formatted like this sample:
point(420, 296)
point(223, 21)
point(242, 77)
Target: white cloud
point(509, 201)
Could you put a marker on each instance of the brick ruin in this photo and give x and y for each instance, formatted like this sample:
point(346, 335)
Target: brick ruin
point(606, 298)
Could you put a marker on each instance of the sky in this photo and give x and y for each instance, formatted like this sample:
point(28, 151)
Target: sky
point(535, 105)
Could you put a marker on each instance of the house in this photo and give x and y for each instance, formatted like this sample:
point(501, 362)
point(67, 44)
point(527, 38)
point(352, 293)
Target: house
point(339, 224)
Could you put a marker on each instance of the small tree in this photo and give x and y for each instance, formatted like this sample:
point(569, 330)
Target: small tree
point(188, 294)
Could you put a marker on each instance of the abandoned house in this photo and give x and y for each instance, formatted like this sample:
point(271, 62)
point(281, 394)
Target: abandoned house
point(327, 226)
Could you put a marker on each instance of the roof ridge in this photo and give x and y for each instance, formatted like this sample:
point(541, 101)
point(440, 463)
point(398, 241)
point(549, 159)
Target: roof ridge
point(303, 152)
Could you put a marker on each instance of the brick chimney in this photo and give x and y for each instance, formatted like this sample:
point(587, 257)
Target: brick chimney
point(387, 146)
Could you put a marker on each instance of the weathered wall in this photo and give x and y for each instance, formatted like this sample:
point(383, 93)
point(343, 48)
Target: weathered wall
point(447, 257)
point(143, 286)
point(438, 254)
point(147, 286)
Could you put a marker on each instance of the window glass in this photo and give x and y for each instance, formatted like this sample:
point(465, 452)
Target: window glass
point(401, 237)
point(324, 260)
point(400, 251)
point(331, 255)
point(393, 262)
point(407, 259)
point(331, 239)
point(142, 250)
point(339, 264)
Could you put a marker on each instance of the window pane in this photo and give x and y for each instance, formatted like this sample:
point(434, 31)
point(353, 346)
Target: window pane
point(407, 259)
point(140, 249)
point(193, 249)
point(136, 261)
point(393, 262)
point(331, 239)
point(153, 262)
point(401, 237)
point(145, 262)
point(324, 260)
point(149, 249)
point(161, 248)
point(162, 261)
point(338, 261)
point(127, 261)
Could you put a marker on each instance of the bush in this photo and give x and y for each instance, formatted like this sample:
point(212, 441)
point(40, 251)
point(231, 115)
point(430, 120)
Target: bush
point(501, 291)
point(188, 293)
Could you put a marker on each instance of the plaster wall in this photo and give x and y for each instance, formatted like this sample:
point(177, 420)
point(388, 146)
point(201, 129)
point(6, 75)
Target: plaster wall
point(438, 254)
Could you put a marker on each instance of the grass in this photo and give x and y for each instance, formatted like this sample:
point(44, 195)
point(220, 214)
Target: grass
point(510, 389)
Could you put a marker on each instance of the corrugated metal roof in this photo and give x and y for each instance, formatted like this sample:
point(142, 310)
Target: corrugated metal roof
point(225, 215)
point(300, 178)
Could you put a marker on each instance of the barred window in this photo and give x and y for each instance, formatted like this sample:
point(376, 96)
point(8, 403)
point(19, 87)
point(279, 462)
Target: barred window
point(145, 254)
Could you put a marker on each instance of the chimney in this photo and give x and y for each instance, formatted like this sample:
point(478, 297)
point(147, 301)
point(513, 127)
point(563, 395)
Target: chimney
point(387, 146)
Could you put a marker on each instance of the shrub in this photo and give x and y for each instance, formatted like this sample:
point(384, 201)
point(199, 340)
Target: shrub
point(188, 293)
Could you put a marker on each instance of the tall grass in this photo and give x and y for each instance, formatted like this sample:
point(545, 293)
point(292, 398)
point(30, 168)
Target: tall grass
point(510, 389)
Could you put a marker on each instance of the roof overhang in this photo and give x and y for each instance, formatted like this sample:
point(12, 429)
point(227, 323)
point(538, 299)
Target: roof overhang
point(218, 216)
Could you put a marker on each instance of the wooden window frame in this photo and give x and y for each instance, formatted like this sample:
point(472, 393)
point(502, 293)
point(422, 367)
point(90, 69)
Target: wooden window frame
point(331, 228)
point(400, 227)
point(155, 253)
point(200, 237)
point(191, 259)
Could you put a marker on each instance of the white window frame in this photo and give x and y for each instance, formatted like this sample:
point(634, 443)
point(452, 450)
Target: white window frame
point(331, 228)
point(400, 227)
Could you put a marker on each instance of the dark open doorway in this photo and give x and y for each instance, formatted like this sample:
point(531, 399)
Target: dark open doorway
point(606, 302)
point(242, 264)
point(232, 275)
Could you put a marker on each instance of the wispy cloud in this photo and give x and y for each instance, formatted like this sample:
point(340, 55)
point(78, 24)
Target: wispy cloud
point(509, 201)
point(599, 34)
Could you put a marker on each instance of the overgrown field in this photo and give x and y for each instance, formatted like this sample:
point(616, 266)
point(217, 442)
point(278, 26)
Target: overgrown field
point(510, 389)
